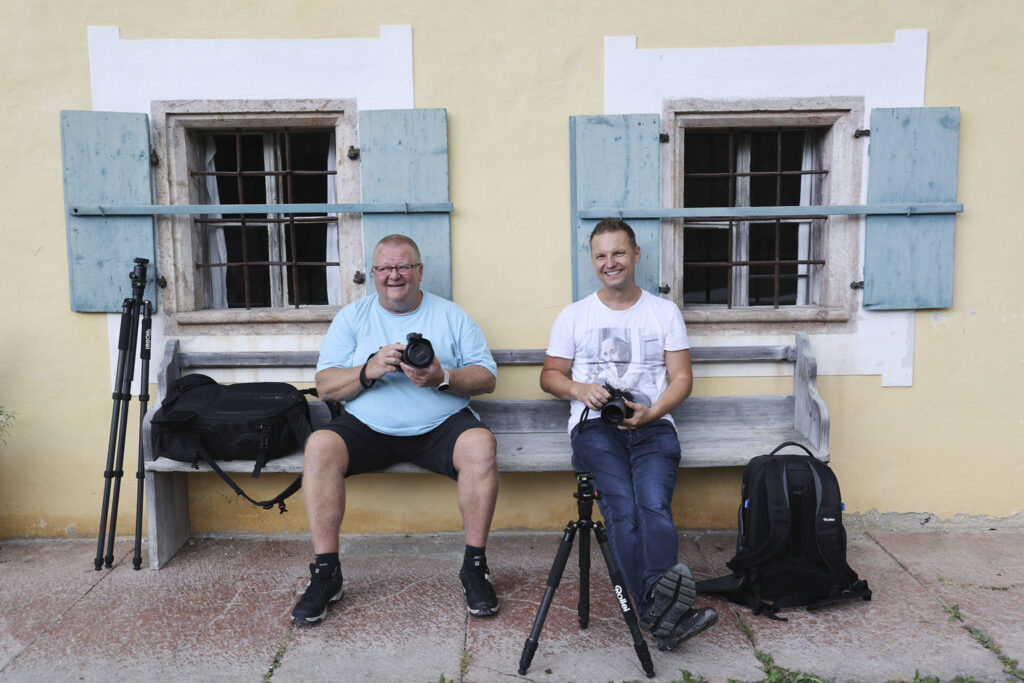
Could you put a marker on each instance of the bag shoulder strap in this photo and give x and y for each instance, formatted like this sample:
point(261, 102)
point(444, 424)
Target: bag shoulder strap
point(277, 500)
point(777, 501)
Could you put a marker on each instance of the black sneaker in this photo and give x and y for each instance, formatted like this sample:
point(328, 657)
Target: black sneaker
point(322, 590)
point(668, 601)
point(693, 622)
point(476, 582)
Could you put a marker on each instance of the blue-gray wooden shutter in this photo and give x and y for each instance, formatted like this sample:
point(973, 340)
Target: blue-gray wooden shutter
point(908, 260)
point(615, 162)
point(106, 161)
point(403, 157)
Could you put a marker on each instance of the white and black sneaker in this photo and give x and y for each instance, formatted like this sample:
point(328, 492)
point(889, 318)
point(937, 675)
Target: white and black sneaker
point(668, 601)
point(476, 582)
point(693, 622)
point(322, 590)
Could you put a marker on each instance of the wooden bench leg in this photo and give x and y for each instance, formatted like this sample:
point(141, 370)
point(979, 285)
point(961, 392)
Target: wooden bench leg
point(167, 511)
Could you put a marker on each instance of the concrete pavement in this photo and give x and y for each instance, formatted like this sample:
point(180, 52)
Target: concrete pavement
point(947, 606)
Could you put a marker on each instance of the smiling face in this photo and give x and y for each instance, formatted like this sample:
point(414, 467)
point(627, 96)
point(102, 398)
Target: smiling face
point(614, 260)
point(397, 292)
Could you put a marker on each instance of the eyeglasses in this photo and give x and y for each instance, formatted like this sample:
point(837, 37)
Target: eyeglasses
point(402, 269)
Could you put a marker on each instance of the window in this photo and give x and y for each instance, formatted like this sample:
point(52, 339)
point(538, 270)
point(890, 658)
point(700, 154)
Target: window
point(762, 154)
point(267, 260)
point(264, 268)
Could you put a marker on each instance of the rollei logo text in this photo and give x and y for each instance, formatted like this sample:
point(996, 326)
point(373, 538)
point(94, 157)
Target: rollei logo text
point(622, 599)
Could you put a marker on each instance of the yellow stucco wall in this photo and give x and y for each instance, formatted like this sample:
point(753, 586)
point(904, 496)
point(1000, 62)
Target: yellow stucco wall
point(510, 73)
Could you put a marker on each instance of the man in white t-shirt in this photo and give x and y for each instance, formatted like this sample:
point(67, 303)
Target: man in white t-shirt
point(628, 340)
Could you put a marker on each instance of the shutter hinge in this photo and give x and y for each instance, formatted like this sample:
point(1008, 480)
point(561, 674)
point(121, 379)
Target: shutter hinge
point(359, 278)
point(663, 137)
point(353, 153)
point(862, 133)
point(154, 160)
point(161, 282)
point(664, 289)
point(857, 284)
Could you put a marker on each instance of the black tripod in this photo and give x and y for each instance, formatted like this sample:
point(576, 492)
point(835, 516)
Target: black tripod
point(132, 310)
point(585, 496)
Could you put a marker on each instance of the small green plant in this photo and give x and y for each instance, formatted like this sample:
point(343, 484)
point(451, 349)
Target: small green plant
point(6, 422)
point(1010, 665)
point(464, 661)
point(690, 678)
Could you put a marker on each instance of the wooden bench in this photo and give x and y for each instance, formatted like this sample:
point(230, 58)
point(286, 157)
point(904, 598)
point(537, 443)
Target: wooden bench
point(714, 431)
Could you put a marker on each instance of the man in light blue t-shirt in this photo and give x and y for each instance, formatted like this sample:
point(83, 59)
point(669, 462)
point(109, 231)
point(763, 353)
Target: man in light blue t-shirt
point(398, 412)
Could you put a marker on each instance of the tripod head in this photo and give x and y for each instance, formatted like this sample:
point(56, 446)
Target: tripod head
point(585, 494)
point(138, 278)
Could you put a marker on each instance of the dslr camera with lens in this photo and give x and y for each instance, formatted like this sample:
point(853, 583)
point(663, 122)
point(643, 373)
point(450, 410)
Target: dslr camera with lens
point(616, 410)
point(419, 352)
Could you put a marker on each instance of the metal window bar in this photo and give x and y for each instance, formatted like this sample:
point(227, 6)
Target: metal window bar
point(263, 223)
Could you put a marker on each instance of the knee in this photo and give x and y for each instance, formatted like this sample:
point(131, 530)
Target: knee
point(325, 448)
point(476, 449)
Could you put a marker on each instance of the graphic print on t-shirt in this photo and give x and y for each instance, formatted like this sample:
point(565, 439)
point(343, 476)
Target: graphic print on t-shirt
point(625, 359)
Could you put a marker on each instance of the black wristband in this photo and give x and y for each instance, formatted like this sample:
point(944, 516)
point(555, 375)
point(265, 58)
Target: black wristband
point(367, 383)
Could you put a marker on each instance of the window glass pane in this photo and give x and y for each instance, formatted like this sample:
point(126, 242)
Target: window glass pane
point(705, 284)
point(762, 278)
point(707, 153)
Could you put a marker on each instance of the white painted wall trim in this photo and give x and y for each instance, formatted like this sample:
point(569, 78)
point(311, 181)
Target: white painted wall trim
point(127, 75)
point(884, 74)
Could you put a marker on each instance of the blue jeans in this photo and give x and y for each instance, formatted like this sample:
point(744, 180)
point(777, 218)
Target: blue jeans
point(635, 472)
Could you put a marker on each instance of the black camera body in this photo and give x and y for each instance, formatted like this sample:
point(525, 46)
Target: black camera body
point(616, 410)
point(419, 352)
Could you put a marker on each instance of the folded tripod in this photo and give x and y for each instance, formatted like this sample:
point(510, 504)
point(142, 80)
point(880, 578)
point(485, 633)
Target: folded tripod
point(133, 310)
point(585, 496)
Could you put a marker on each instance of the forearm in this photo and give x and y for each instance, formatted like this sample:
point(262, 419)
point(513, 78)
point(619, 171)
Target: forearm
point(471, 381)
point(558, 384)
point(338, 384)
point(677, 391)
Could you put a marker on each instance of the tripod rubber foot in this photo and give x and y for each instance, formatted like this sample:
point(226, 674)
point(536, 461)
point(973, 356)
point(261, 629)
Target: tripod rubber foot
point(529, 650)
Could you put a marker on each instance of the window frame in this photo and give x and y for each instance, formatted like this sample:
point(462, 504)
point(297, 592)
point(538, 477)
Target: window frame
point(178, 236)
point(841, 153)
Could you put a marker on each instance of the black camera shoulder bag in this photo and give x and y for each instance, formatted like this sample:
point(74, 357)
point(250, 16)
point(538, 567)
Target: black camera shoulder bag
point(201, 420)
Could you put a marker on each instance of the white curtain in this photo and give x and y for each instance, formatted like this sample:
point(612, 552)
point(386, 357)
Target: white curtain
point(216, 245)
point(808, 183)
point(275, 231)
point(333, 272)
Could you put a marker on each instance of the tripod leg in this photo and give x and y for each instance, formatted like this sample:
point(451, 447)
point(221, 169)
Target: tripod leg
point(625, 604)
point(583, 608)
point(126, 394)
point(564, 548)
point(108, 473)
point(140, 474)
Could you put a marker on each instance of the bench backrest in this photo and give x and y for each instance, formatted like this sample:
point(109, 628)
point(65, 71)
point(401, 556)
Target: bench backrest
point(552, 415)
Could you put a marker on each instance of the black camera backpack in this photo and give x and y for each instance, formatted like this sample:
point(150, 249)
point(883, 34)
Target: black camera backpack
point(791, 546)
point(201, 420)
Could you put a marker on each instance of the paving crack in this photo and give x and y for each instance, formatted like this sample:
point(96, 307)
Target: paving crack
point(59, 617)
point(1010, 666)
point(279, 655)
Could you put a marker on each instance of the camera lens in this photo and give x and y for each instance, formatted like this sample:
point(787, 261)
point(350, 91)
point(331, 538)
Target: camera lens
point(418, 351)
point(615, 411)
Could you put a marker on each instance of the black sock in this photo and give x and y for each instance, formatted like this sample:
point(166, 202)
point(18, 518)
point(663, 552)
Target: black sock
point(473, 556)
point(327, 561)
